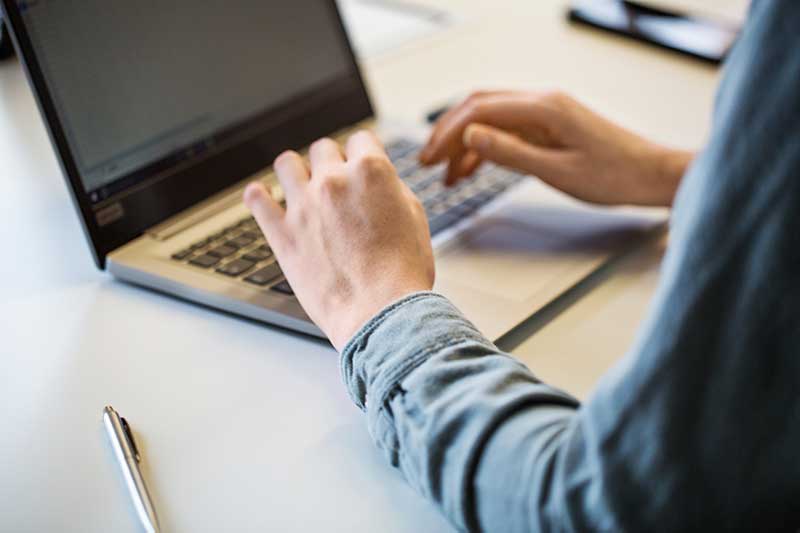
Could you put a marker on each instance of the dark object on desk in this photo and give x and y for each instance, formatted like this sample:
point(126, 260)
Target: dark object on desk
point(6, 48)
point(698, 37)
point(434, 116)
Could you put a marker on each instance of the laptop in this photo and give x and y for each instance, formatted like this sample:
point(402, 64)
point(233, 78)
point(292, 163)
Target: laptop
point(161, 112)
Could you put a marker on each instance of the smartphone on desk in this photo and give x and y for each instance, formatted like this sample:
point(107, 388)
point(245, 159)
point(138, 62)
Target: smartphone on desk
point(699, 37)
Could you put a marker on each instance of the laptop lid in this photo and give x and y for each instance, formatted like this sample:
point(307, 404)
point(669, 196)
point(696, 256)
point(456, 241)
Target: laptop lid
point(153, 107)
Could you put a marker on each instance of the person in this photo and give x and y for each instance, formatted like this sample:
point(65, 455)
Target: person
point(697, 429)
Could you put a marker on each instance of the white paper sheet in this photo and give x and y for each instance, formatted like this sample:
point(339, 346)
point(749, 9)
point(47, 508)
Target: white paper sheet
point(378, 26)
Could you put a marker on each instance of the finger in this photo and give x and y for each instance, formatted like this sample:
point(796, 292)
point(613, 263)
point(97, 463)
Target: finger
point(447, 118)
point(506, 111)
point(292, 173)
point(462, 168)
point(498, 146)
point(325, 154)
point(267, 212)
point(364, 143)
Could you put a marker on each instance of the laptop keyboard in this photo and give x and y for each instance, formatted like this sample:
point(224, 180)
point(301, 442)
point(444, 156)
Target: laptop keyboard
point(447, 205)
point(240, 251)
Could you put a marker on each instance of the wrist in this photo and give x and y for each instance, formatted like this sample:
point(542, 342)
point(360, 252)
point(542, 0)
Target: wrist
point(671, 165)
point(659, 174)
point(349, 317)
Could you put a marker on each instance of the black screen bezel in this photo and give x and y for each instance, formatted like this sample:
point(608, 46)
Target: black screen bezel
point(147, 206)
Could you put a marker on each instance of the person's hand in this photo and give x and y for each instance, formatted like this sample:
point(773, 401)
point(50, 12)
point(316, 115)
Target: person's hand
point(565, 144)
point(353, 237)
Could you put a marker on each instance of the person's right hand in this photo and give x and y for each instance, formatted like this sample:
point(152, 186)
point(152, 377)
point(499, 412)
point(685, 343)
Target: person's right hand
point(553, 137)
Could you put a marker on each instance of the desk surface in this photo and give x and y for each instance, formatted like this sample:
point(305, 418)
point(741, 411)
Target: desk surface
point(245, 427)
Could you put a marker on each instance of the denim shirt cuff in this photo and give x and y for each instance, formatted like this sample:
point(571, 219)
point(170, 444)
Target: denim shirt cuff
point(381, 354)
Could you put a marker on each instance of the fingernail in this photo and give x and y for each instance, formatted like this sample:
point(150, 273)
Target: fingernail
point(475, 138)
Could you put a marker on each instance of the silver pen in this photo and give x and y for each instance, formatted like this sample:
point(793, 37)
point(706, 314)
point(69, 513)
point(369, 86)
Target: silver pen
point(127, 455)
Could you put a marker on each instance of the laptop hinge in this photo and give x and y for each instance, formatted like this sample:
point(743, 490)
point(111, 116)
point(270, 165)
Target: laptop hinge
point(203, 210)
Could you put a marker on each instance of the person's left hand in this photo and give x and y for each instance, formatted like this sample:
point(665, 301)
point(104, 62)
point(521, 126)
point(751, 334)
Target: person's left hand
point(353, 237)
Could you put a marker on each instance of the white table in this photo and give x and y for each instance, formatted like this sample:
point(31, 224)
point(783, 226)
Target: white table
point(245, 427)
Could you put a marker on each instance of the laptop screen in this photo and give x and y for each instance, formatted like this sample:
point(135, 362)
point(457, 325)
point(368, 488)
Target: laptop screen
point(135, 83)
point(154, 106)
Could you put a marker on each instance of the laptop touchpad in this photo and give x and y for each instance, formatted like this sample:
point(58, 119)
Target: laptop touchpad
point(522, 247)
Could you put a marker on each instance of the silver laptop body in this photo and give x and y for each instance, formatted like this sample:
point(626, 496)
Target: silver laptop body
point(172, 113)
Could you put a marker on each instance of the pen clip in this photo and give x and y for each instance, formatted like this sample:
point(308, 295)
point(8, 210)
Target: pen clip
point(127, 429)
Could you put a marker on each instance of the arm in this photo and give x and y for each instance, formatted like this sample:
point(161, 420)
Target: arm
point(697, 429)
point(554, 137)
point(436, 392)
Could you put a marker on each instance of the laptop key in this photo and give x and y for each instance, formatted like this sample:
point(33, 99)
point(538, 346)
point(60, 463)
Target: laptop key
point(284, 288)
point(399, 148)
point(257, 255)
point(236, 268)
point(222, 251)
point(460, 210)
point(249, 235)
point(435, 210)
point(407, 170)
point(204, 261)
point(441, 222)
point(265, 275)
point(480, 199)
point(242, 240)
point(199, 244)
point(183, 254)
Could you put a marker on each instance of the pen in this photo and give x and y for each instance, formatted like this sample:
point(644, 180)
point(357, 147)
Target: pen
point(127, 455)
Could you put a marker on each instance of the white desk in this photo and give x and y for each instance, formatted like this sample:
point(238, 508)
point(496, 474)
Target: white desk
point(244, 427)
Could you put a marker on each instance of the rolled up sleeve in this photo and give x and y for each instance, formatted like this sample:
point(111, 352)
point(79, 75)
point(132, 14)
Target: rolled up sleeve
point(435, 390)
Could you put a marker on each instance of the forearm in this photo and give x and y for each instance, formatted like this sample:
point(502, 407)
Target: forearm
point(435, 392)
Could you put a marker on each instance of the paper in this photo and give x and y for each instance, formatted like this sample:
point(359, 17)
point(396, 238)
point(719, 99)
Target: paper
point(378, 26)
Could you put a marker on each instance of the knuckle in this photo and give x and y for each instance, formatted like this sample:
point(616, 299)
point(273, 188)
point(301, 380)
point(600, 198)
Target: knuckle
point(420, 210)
point(332, 185)
point(476, 107)
point(415, 205)
point(285, 157)
point(415, 202)
point(476, 95)
point(360, 136)
point(554, 96)
point(321, 143)
point(373, 166)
